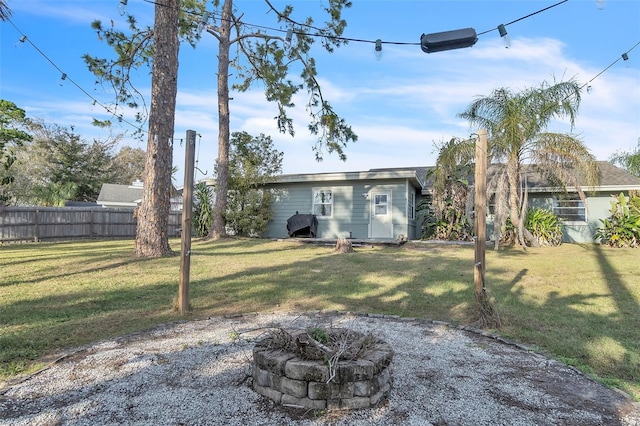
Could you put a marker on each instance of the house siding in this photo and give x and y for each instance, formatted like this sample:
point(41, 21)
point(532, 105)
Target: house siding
point(597, 207)
point(351, 210)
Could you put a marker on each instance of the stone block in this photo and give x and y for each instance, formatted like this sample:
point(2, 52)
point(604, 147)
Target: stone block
point(261, 377)
point(341, 390)
point(303, 402)
point(349, 403)
point(363, 388)
point(312, 371)
point(318, 390)
point(297, 388)
point(381, 356)
point(382, 378)
point(354, 371)
point(331, 390)
point(272, 394)
point(272, 360)
point(376, 398)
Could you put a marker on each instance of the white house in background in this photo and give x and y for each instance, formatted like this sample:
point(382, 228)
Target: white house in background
point(115, 196)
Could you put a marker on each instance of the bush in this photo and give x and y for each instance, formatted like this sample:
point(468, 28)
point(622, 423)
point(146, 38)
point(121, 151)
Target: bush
point(450, 224)
point(622, 228)
point(545, 226)
point(202, 209)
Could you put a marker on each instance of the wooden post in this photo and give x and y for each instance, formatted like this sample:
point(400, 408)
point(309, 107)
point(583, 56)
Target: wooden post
point(187, 202)
point(480, 213)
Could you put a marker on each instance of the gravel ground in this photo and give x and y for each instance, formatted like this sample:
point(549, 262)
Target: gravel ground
point(198, 373)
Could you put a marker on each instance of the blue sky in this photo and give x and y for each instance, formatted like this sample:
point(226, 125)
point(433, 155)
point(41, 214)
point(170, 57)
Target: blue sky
point(399, 106)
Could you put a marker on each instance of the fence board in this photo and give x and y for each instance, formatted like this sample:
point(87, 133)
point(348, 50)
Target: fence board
point(18, 224)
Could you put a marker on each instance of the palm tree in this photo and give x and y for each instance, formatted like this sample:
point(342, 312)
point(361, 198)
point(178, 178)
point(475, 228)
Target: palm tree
point(517, 126)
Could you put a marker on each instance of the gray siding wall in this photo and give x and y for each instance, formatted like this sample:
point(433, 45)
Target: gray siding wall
point(351, 210)
point(598, 206)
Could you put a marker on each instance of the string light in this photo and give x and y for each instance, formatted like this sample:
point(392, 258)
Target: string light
point(505, 37)
point(287, 39)
point(378, 49)
point(63, 77)
point(203, 22)
point(21, 41)
point(378, 42)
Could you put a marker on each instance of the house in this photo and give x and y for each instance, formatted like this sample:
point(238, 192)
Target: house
point(579, 220)
point(129, 196)
point(380, 204)
point(374, 204)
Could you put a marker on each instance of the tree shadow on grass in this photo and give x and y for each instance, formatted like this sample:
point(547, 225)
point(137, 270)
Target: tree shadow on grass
point(595, 329)
point(433, 283)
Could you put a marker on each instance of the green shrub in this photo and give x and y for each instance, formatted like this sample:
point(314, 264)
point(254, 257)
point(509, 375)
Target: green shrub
point(545, 226)
point(622, 228)
point(450, 224)
point(202, 209)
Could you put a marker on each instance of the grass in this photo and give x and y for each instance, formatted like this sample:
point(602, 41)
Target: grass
point(577, 303)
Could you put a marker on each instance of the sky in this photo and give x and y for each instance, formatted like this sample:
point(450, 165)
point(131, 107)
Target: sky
point(401, 105)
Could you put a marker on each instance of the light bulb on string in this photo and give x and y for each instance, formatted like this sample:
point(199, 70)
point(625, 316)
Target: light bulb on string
point(287, 39)
point(378, 49)
point(21, 41)
point(625, 58)
point(589, 88)
point(505, 37)
point(122, 7)
point(203, 22)
point(63, 77)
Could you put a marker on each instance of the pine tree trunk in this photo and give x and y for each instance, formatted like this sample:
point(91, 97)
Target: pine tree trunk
point(218, 230)
point(152, 238)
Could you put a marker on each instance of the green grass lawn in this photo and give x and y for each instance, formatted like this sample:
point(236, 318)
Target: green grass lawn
point(577, 303)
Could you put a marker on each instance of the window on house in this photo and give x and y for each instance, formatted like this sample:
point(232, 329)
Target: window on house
point(380, 204)
point(323, 202)
point(411, 206)
point(570, 208)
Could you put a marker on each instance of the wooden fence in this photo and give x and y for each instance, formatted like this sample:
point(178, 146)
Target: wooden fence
point(18, 224)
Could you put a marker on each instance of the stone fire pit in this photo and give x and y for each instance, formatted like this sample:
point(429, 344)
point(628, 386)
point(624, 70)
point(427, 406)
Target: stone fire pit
point(322, 368)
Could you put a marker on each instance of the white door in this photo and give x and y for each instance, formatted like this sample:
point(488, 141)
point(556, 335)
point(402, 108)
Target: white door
point(380, 225)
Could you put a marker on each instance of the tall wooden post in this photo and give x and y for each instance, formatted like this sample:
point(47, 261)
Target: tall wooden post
point(480, 214)
point(187, 203)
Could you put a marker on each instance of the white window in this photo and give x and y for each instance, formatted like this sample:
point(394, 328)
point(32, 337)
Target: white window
point(381, 204)
point(570, 208)
point(411, 205)
point(323, 202)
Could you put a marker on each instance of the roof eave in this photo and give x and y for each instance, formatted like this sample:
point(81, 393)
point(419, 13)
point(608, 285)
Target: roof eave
point(348, 176)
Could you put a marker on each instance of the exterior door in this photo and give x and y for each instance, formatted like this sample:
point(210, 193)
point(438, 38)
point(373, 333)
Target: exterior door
point(380, 225)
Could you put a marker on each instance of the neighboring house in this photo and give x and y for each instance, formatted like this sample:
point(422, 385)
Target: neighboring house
point(580, 221)
point(129, 196)
point(377, 204)
point(380, 204)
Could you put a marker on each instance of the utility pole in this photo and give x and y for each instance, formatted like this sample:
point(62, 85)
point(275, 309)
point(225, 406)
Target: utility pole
point(187, 203)
point(480, 214)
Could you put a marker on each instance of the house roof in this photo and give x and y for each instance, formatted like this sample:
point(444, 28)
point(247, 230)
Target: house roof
point(123, 195)
point(409, 173)
point(612, 178)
